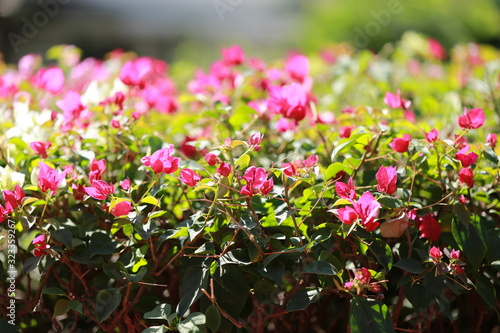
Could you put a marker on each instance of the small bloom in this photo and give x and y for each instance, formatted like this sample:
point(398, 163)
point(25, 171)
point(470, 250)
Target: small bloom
point(401, 144)
point(14, 198)
point(345, 131)
point(162, 160)
point(432, 135)
point(349, 285)
point(435, 253)
point(491, 140)
point(437, 50)
point(465, 175)
point(40, 147)
point(429, 228)
point(455, 254)
point(49, 179)
point(311, 161)
point(189, 177)
point(97, 169)
point(212, 159)
point(386, 178)
point(289, 169)
point(466, 159)
point(471, 120)
point(347, 215)
point(459, 269)
point(346, 191)
point(125, 184)
point(121, 208)
point(50, 79)
point(283, 125)
point(233, 55)
point(267, 186)
point(297, 67)
point(395, 101)
point(363, 275)
point(100, 190)
point(224, 169)
point(5, 211)
point(41, 246)
point(462, 199)
point(255, 140)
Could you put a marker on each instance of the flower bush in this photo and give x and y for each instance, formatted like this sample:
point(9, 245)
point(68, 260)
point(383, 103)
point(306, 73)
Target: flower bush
point(316, 193)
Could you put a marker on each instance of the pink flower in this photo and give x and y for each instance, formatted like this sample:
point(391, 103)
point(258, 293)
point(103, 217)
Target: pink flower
point(255, 140)
point(41, 246)
point(233, 56)
point(283, 125)
point(212, 159)
point(290, 101)
point(345, 131)
point(187, 149)
point(462, 199)
point(346, 191)
point(395, 101)
point(14, 198)
point(49, 179)
point(432, 135)
point(386, 178)
point(466, 159)
point(455, 254)
point(267, 186)
point(289, 169)
point(491, 140)
point(189, 177)
point(297, 67)
point(97, 169)
point(125, 184)
point(256, 181)
point(5, 211)
point(365, 210)
point(435, 253)
point(100, 190)
point(437, 50)
point(349, 285)
point(50, 79)
point(115, 123)
point(465, 175)
point(401, 144)
point(40, 147)
point(224, 169)
point(363, 275)
point(137, 72)
point(121, 208)
point(471, 120)
point(460, 141)
point(162, 160)
point(311, 161)
point(429, 228)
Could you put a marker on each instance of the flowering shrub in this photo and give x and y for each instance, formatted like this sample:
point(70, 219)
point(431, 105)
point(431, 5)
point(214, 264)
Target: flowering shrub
point(294, 196)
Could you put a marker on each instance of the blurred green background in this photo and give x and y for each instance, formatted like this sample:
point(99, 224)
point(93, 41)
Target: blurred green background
point(195, 30)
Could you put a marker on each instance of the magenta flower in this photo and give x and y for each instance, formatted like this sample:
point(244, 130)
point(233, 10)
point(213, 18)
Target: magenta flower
point(432, 135)
point(387, 178)
point(290, 101)
point(162, 160)
point(401, 144)
point(466, 159)
point(122, 208)
point(97, 169)
point(41, 246)
point(256, 181)
point(50, 79)
point(395, 101)
point(283, 125)
point(491, 140)
point(5, 211)
point(435, 253)
point(14, 198)
point(100, 190)
point(267, 186)
point(40, 147)
point(233, 56)
point(49, 179)
point(346, 191)
point(255, 140)
point(297, 67)
point(455, 254)
point(466, 175)
point(189, 177)
point(365, 211)
point(345, 131)
point(212, 159)
point(471, 120)
point(429, 228)
point(437, 50)
point(311, 161)
point(224, 169)
point(140, 70)
point(363, 275)
point(289, 169)
point(125, 184)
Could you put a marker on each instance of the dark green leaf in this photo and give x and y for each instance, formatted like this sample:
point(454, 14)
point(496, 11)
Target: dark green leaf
point(302, 298)
point(320, 267)
point(30, 264)
point(101, 244)
point(470, 242)
point(487, 291)
point(54, 291)
point(390, 202)
point(410, 265)
point(194, 323)
point(195, 278)
point(462, 213)
point(368, 315)
point(382, 252)
point(161, 311)
point(107, 301)
point(76, 306)
point(61, 307)
point(213, 318)
point(64, 236)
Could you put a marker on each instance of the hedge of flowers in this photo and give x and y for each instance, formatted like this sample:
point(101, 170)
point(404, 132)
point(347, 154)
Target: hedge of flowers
point(343, 190)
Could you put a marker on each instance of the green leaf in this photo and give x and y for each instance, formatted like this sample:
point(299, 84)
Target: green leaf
point(150, 200)
point(213, 318)
point(76, 306)
point(487, 292)
point(368, 315)
point(345, 145)
point(194, 323)
point(156, 329)
point(462, 213)
point(382, 252)
point(302, 298)
point(194, 279)
point(101, 244)
point(107, 301)
point(469, 240)
point(30, 264)
point(410, 265)
point(161, 311)
point(333, 169)
point(320, 267)
point(54, 291)
point(61, 307)
point(390, 202)
point(242, 115)
point(64, 236)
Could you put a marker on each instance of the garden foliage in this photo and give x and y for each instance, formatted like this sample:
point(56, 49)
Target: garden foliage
point(348, 190)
